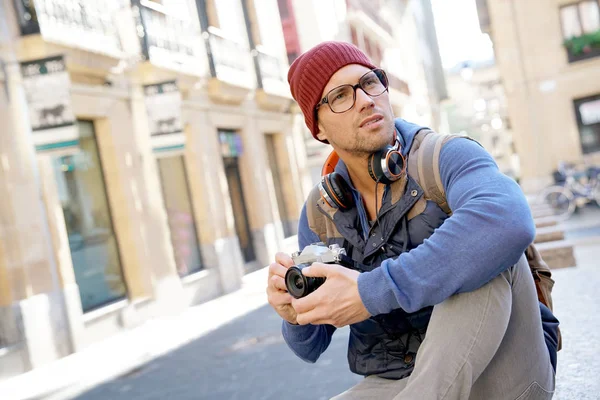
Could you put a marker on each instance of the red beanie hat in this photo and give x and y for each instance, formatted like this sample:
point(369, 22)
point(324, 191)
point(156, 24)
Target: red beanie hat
point(309, 74)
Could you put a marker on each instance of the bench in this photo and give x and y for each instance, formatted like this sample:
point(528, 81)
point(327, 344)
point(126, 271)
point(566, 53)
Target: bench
point(557, 254)
point(548, 234)
point(543, 222)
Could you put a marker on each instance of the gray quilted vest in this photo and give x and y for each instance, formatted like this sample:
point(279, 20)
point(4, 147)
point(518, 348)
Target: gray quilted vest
point(386, 345)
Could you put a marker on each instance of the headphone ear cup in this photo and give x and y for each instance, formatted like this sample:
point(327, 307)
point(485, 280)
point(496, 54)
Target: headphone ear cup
point(396, 164)
point(374, 165)
point(386, 165)
point(336, 191)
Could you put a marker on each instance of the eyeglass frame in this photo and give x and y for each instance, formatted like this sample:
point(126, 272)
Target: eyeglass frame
point(354, 88)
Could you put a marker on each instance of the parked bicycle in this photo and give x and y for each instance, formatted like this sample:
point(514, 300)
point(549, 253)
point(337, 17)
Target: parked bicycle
point(573, 188)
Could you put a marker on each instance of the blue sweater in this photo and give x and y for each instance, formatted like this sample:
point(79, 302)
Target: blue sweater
point(490, 228)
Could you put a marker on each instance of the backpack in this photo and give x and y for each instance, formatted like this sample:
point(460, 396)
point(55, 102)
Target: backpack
point(423, 167)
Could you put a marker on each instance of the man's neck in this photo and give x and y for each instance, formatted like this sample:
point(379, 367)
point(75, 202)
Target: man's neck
point(358, 170)
point(365, 185)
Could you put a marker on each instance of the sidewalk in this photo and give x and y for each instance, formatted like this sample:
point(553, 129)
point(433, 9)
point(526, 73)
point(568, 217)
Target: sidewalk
point(127, 351)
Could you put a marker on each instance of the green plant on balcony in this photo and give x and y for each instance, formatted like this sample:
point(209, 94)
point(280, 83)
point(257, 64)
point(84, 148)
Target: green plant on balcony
point(583, 44)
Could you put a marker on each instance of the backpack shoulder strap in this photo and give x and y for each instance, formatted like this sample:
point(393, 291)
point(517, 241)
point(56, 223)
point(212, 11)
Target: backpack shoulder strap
point(316, 220)
point(424, 164)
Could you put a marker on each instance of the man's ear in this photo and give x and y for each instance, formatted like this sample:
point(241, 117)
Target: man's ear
point(321, 135)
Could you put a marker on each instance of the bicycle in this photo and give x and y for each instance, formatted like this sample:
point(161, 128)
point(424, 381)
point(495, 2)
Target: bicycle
point(573, 188)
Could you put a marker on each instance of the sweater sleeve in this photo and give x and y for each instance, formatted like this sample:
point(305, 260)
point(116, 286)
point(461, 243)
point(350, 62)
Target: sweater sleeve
point(308, 342)
point(490, 228)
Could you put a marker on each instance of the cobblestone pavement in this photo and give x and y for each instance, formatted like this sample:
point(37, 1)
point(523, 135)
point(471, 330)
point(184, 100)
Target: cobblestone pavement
point(247, 358)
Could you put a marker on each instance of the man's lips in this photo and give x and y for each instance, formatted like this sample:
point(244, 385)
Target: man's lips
point(372, 118)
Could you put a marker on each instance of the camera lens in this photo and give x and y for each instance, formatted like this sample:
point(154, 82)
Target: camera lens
point(299, 285)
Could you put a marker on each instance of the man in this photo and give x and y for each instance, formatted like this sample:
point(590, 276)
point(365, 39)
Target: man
point(483, 338)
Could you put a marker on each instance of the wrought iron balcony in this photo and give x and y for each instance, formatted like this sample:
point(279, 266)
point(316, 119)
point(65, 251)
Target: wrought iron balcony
point(168, 40)
point(271, 72)
point(231, 59)
point(85, 24)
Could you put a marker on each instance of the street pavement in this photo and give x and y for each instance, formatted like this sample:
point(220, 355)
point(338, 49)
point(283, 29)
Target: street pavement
point(248, 359)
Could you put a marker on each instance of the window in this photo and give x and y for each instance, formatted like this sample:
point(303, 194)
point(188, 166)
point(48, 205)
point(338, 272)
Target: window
point(587, 111)
point(92, 240)
point(180, 214)
point(230, 18)
point(292, 57)
point(580, 18)
point(284, 11)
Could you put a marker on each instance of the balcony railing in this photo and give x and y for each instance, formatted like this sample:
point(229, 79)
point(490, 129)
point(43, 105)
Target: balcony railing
point(270, 66)
point(86, 24)
point(231, 59)
point(168, 40)
point(271, 72)
point(372, 11)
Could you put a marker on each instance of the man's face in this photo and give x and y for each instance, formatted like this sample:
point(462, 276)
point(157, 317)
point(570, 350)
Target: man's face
point(367, 127)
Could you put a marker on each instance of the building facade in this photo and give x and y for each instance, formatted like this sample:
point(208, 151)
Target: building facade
point(149, 159)
point(550, 68)
point(399, 36)
point(477, 107)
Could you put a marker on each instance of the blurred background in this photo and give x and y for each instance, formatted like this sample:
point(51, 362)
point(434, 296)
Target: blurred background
point(152, 162)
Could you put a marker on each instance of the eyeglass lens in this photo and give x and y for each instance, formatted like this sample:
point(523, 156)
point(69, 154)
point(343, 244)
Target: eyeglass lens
point(343, 97)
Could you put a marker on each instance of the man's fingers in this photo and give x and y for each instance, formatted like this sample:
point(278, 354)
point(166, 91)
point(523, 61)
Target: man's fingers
point(284, 259)
point(280, 299)
point(318, 270)
point(276, 269)
point(310, 317)
point(306, 303)
point(278, 283)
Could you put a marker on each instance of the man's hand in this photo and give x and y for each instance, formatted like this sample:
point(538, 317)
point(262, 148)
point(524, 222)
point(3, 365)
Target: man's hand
point(279, 298)
point(337, 302)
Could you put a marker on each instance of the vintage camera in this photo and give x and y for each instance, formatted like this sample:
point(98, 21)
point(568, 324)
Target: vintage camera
point(299, 285)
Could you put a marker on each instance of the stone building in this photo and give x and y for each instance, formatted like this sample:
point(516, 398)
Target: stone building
point(148, 160)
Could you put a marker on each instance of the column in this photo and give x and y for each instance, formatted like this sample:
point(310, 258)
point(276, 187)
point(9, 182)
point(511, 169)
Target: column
point(208, 186)
point(259, 193)
point(31, 301)
point(167, 284)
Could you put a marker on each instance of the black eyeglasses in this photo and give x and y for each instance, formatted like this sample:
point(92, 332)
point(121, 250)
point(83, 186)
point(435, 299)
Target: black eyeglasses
point(342, 98)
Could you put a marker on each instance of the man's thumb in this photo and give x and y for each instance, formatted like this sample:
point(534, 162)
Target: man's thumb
point(317, 270)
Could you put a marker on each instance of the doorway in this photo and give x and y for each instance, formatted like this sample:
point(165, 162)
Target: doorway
point(238, 204)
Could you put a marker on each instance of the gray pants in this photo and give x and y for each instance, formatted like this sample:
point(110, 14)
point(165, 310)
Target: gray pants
point(486, 344)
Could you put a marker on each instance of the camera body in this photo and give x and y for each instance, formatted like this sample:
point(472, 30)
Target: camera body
point(299, 285)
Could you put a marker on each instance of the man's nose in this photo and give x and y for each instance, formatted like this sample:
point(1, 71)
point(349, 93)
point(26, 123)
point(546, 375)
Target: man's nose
point(363, 100)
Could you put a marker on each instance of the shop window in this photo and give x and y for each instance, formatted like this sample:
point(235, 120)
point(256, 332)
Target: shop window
point(92, 240)
point(180, 215)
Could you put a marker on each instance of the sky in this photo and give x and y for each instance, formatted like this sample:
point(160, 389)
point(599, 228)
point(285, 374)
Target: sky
point(458, 32)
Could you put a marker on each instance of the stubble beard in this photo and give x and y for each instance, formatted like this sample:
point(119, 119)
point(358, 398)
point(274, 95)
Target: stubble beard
point(366, 144)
